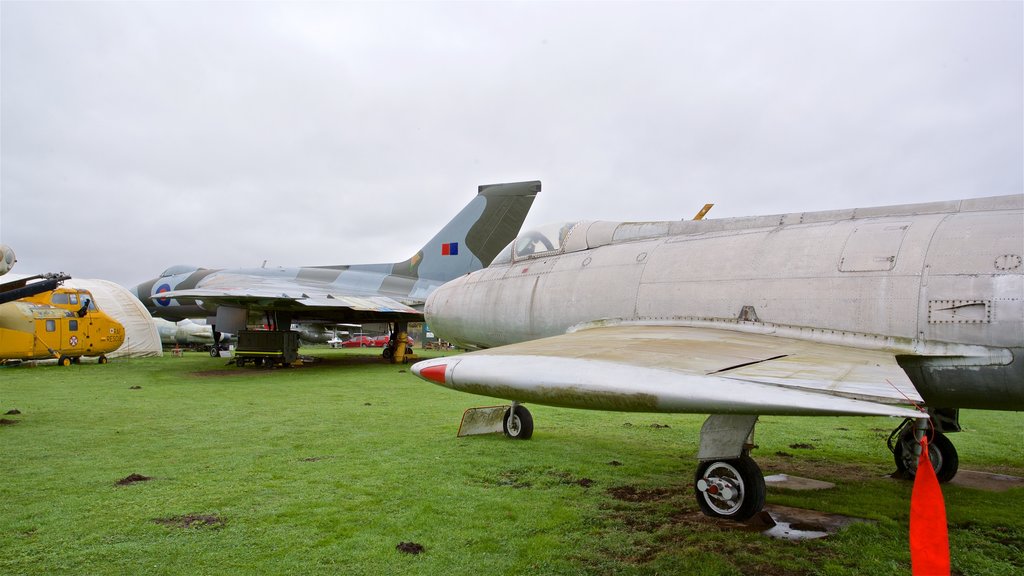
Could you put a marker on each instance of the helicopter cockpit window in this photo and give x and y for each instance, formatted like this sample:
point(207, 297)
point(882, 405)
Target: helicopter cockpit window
point(73, 299)
point(87, 299)
point(59, 298)
point(539, 241)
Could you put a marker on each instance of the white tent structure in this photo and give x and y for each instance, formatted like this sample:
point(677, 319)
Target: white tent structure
point(141, 338)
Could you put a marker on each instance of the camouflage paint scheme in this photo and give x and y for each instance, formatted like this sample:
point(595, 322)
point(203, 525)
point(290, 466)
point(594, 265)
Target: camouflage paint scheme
point(391, 292)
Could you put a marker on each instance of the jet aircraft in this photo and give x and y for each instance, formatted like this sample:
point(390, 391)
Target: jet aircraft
point(188, 333)
point(847, 312)
point(362, 293)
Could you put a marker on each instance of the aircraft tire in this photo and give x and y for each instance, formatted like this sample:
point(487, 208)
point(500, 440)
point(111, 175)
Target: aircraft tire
point(64, 361)
point(941, 452)
point(101, 360)
point(518, 424)
point(214, 352)
point(732, 489)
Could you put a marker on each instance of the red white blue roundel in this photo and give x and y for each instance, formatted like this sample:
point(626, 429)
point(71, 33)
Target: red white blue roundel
point(160, 290)
point(73, 341)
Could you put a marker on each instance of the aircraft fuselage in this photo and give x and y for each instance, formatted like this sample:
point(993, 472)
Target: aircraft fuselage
point(940, 285)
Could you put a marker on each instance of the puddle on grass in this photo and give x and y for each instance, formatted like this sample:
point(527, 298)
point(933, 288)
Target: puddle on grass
point(787, 523)
point(787, 531)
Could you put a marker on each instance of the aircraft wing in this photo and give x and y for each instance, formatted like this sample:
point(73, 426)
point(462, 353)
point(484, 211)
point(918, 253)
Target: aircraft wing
point(306, 298)
point(645, 368)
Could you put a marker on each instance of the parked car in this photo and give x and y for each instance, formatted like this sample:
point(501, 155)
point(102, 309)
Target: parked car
point(358, 342)
point(382, 341)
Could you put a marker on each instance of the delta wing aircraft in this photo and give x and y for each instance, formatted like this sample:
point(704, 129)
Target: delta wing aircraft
point(863, 311)
point(362, 293)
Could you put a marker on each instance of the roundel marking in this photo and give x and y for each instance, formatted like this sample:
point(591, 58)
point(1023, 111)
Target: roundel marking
point(160, 290)
point(73, 341)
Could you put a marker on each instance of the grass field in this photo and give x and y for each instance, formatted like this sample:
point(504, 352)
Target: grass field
point(327, 468)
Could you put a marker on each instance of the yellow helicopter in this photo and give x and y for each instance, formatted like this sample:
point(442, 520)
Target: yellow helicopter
point(63, 323)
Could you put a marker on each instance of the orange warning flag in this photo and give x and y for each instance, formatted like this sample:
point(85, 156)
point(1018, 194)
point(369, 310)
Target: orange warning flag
point(929, 535)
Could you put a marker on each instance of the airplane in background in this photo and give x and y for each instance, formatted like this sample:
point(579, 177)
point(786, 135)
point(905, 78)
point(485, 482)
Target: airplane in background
point(7, 259)
point(847, 312)
point(189, 333)
point(363, 293)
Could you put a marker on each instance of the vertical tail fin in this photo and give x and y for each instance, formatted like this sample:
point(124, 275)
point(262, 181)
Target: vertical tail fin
point(473, 238)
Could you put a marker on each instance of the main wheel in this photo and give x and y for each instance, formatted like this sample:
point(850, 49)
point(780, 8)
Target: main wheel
point(518, 423)
point(731, 489)
point(64, 361)
point(214, 352)
point(101, 360)
point(941, 452)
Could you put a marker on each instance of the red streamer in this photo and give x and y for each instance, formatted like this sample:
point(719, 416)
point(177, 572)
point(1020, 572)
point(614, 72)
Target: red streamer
point(929, 535)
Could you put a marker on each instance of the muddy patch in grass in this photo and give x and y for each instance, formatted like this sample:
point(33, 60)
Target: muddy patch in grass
point(660, 522)
point(410, 548)
point(634, 494)
point(8, 422)
point(566, 478)
point(230, 372)
point(192, 521)
point(132, 479)
point(12, 412)
point(513, 479)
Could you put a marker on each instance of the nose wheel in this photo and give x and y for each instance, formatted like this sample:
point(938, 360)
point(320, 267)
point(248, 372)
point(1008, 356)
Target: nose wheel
point(941, 453)
point(730, 489)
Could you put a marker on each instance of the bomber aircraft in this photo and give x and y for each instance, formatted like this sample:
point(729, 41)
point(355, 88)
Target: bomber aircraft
point(847, 312)
point(361, 293)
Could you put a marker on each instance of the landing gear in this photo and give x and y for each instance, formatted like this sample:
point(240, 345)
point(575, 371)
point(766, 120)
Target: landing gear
point(728, 483)
point(215, 349)
point(64, 361)
point(397, 351)
point(517, 423)
point(903, 443)
point(101, 360)
point(732, 489)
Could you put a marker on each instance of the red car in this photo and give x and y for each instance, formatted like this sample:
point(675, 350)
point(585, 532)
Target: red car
point(359, 342)
point(382, 341)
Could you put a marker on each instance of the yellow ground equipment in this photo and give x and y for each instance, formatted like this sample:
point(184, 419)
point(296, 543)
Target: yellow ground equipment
point(64, 324)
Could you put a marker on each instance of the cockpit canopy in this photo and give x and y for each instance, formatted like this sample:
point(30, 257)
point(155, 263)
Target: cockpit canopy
point(178, 269)
point(542, 241)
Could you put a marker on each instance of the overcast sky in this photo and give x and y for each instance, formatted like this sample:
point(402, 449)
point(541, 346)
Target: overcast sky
point(138, 135)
